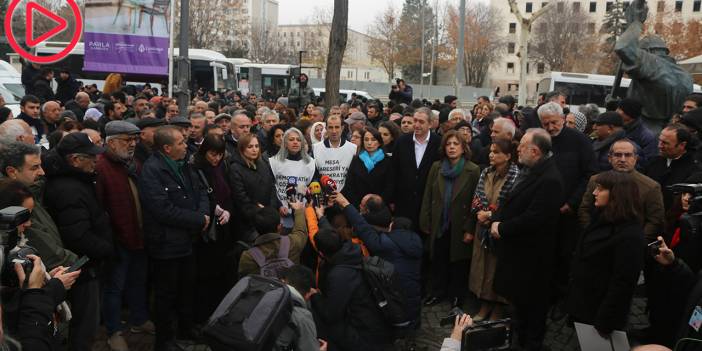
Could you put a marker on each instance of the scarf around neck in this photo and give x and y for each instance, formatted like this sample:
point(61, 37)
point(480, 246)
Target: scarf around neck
point(371, 160)
point(449, 174)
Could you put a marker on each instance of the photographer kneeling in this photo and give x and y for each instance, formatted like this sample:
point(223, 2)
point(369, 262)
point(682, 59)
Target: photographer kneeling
point(35, 295)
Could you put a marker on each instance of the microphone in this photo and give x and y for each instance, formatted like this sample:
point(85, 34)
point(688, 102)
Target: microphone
point(291, 189)
point(328, 184)
point(300, 190)
point(316, 190)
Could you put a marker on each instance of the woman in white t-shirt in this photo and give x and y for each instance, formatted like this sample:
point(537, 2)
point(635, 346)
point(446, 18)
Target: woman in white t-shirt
point(293, 168)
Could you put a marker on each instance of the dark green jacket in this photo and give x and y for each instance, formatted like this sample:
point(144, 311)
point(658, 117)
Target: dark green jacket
point(461, 219)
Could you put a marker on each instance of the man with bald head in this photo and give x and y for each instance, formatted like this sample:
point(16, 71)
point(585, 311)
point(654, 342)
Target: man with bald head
point(79, 105)
point(50, 116)
point(16, 130)
point(240, 126)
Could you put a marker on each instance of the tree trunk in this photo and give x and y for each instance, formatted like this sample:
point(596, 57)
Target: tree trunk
point(337, 46)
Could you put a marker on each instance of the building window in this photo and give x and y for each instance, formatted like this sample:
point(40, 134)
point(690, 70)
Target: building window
point(529, 7)
point(560, 7)
point(298, 44)
point(349, 74)
point(285, 34)
point(366, 75)
point(512, 87)
point(576, 7)
point(510, 48)
point(512, 28)
point(608, 6)
point(527, 67)
point(510, 67)
point(696, 6)
point(661, 6)
point(591, 28)
point(593, 6)
point(540, 68)
point(543, 4)
point(678, 6)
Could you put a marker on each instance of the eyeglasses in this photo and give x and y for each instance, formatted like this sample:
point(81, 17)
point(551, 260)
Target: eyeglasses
point(622, 154)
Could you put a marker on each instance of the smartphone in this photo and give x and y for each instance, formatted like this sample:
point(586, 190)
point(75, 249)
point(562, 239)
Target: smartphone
point(654, 248)
point(78, 264)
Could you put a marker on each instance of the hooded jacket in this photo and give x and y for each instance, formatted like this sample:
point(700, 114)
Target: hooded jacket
point(72, 201)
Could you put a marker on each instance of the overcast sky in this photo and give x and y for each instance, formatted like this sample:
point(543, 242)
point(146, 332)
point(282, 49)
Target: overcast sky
point(361, 12)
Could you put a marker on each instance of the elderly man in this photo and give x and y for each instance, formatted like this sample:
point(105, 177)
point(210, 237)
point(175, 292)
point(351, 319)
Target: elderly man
point(333, 155)
point(502, 128)
point(526, 229)
point(240, 126)
point(575, 160)
point(269, 118)
point(116, 190)
point(50, 116)
point(197, 132)
point(412, 159)
point(176, 211)
point(84, 226)
point(16, 130)
point(201, 107)
point(623, 157)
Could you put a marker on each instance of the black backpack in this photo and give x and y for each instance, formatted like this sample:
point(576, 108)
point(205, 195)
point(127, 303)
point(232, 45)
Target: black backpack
point(385, 288)
point(251, 316)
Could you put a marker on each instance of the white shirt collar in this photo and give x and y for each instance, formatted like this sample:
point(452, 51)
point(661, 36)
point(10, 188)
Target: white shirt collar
point(426, 140)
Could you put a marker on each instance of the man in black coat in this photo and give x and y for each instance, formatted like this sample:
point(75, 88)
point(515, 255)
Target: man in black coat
point(67, 86)
point(84, 226)
point(412, 158)
point(525, 229)
point(42, 85)
point(676, 161)
point(575, 160)
point(175, 209)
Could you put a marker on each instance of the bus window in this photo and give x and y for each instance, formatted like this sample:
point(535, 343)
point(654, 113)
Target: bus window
point(580, 94)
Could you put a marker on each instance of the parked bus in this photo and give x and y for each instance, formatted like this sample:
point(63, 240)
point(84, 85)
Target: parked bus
point(277, 79)
point(584, 88)
point(208, 69)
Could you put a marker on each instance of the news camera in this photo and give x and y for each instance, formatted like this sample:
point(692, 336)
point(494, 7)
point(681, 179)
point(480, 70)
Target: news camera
point(482, 336)
point(10, 218)
point(695, 190)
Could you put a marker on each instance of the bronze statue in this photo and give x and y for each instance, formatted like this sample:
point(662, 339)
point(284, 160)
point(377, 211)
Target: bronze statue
point(656, 80)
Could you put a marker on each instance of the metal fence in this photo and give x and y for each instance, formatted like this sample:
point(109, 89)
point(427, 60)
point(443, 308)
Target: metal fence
point(381, 90)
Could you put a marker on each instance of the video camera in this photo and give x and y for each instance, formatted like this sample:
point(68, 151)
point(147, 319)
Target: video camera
point(482, 336)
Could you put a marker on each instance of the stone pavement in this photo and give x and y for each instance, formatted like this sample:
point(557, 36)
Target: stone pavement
point(559, 337)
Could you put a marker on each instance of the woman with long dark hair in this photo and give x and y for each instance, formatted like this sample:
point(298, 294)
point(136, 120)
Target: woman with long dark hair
point(370, 171)
point(216, 243)
point(275, 140)
point(445, 218)
point(609, 256)
point(389, 131)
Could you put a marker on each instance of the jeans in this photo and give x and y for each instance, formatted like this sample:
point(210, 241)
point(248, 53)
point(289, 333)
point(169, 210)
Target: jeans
point(127, 276)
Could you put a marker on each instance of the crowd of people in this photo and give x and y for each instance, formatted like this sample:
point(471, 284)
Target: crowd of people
point(528, 209)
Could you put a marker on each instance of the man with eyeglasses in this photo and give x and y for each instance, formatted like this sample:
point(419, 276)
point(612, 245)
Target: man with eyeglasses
point(84, 227)
point(622, 156)
point(116, 188)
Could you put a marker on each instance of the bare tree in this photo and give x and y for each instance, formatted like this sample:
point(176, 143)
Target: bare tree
point(315, 40)
point(483, 44)
point(337, 46)
point(267, 47)
point(383, 40)
point(562, 36)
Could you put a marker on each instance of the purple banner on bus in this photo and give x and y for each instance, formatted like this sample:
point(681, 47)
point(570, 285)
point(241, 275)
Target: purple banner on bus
point(127, 36)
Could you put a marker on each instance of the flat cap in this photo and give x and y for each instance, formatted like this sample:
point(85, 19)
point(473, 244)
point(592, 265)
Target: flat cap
point(121, 127)
point(355, 117)
point(78, 143)
point(181, 122)
point(150, 122)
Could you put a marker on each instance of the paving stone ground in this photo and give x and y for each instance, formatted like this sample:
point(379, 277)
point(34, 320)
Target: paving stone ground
point(559, 336)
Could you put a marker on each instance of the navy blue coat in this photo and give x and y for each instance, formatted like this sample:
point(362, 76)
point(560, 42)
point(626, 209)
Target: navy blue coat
point(174, 212)
point(644, 138)
point(402, 248)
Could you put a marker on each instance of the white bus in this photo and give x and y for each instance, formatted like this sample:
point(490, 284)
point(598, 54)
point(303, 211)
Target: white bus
point(208, 69)
point(278, 79)
point(583, 88)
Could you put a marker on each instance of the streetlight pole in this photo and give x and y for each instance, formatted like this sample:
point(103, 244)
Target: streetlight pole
point(461, 41)
point(183, 92)
point(299, 87)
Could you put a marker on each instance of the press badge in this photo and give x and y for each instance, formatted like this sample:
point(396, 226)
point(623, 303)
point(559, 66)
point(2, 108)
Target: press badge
point(696, 319)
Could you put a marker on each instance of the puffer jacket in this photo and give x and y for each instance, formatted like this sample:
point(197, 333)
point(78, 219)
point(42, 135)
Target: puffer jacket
point(174, 212)
point(80, 218)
